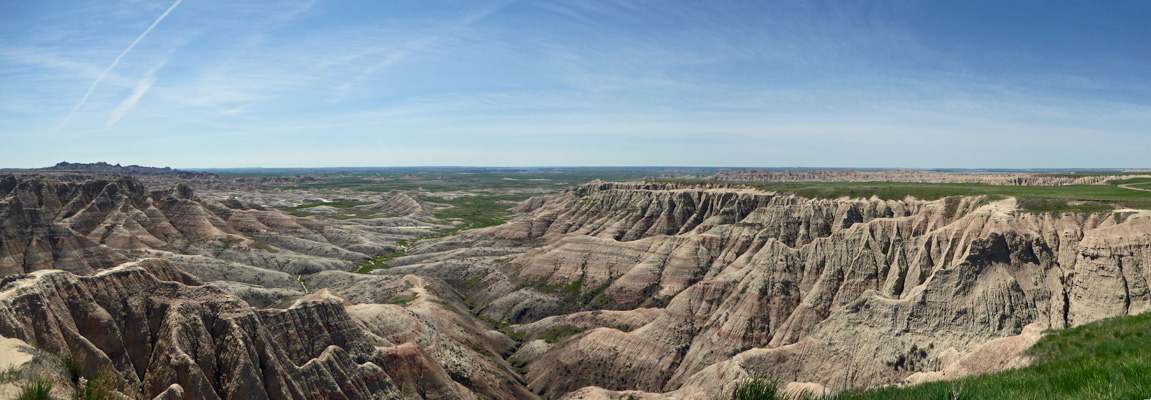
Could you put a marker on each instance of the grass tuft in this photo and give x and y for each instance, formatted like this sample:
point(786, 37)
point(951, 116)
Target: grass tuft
point(559, 333)
point(36, 390)
point(758, 388)
point(100, 387)
point(73, 369)
point(12, 374)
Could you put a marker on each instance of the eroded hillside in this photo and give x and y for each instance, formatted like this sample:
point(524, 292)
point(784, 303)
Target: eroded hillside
point(605, 290)
point(230, 299)
point(709, 285)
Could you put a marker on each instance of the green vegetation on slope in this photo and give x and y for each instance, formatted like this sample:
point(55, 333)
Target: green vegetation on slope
point(559, 333)
point(36, 390)
point(381, 262)
point(471, 212)
point(479, 211)
point(1109, 359)
point(756, 389)
point(336, 204)
point(346, 210)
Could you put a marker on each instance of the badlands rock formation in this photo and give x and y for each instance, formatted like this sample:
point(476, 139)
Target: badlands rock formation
point(105, 169)
point(161, 331)
point(70, 290)
point(402, 204)
point(82, 227)
point(612, 290)
point(713, 285)
point(910, 175)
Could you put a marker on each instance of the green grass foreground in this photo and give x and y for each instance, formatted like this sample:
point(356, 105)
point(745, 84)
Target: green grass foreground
point(1109, 359)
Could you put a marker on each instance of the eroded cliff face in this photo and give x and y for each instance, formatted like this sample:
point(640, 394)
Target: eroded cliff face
point(30, 241)
point(841, 293)
point(69, 288)
point(639, 289)
point(92, 225)
point(162, 332)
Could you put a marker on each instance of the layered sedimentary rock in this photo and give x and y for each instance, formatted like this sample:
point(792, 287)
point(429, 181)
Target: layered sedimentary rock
point(647, 290)
point(30, 240)
point(837, 293)
point(163, 334)
point(910, 175)
point(95, 224)
point(402, 204)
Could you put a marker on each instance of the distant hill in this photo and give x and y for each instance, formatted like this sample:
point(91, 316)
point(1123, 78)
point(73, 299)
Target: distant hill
point(103, 168)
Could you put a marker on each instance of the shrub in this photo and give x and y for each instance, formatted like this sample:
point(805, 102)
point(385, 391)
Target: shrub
point(73, 369)
point(98, 388)
point(36, 390)
point(559, 333)
point(758, 388)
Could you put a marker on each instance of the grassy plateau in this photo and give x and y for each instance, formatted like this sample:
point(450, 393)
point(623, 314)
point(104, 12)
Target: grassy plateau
point(1109, 359)
point(1068, 198)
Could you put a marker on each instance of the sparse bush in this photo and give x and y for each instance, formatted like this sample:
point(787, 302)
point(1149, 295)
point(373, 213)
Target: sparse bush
point(559, 333)
point(73, 369)
point(622, 327)
point(758, 388)
point(402, 300)
point(36, 390)
point(100, 387)
point(951, 206)
point(520, 366)
point(11, 374)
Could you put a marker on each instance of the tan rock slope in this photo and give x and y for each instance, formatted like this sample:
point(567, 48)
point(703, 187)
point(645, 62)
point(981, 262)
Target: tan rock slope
point(613, 290)
point(95, 224)
point(839, 293)
point(161, 331)
point(402, 204)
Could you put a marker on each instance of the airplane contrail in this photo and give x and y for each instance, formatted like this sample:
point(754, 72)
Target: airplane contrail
point(117, 61)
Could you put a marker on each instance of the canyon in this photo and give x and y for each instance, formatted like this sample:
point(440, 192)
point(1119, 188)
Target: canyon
point(208, 288)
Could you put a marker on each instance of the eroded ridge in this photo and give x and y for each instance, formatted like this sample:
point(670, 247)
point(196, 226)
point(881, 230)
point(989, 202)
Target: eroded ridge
point(727, 282)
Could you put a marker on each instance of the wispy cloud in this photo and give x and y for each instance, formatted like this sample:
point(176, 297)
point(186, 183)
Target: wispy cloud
point(116, 62)
point(138, 92)
point(452, 30)
point(754, 83)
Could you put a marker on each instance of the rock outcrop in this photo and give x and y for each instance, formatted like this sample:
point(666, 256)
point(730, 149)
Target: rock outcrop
point(837, 293)
point(161, 334)
point(403, 205)
point(910, 175)
point(95, 224)
point(611, 290)
point(68, 288)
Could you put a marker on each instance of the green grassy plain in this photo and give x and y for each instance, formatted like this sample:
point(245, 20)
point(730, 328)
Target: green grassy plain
point(346, 210)
point(479, 211)
point(1069, 198)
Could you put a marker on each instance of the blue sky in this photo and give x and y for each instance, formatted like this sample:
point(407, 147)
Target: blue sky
point(294, 83)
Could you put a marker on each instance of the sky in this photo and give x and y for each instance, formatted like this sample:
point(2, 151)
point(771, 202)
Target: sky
point(343, 83)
